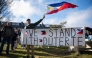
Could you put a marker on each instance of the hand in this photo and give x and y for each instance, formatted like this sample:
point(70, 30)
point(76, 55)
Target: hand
point(84, 27)
point(43, 16)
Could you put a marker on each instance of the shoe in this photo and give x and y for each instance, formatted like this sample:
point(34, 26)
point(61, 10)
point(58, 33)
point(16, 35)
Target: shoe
point(28, 57)
point(7, 53)
point(32, 57)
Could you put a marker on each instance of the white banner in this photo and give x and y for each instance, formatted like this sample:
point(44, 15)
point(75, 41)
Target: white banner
point(53, 37)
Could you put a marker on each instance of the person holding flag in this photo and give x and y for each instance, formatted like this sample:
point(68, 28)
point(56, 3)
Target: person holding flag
point(32, 26)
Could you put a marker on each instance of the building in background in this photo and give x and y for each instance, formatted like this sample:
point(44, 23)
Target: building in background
point(20, 25)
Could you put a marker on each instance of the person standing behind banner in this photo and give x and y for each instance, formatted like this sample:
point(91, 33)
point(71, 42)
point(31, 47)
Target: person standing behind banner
point(32, 26)
point(8, 32)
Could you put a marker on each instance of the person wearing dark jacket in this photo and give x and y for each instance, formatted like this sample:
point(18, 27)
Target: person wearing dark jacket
point(14, 38)
point(7, 34)
point(32, 26)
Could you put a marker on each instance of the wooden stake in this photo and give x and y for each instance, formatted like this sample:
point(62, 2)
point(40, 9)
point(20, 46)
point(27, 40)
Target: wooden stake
point(28, 50)
point(32, 46)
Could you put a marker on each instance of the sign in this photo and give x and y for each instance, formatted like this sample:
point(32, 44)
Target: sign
point(53, 37)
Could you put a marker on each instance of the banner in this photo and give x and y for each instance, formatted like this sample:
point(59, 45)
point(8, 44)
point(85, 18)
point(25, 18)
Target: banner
point(53, 37)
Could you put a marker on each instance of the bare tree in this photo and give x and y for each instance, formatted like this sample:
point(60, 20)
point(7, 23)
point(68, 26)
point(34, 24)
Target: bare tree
point(62, 24)
point(4, 9)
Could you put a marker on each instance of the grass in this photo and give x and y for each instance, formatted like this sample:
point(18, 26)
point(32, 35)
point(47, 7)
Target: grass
point(52, 52)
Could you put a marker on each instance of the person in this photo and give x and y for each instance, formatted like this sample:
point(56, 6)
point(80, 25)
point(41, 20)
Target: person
point(7, 35)
point(88, 31)
point(32, 26)
point(13, 40)
point(19, 35)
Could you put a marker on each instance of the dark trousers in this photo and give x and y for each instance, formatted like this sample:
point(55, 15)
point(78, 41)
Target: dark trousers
point(12, 44)
point(5, 40)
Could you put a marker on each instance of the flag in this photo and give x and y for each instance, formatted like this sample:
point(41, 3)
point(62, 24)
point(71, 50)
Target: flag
point(40, 40)
point(80, 31)
point(43, 32)
point(26, 33)
point(56, 7)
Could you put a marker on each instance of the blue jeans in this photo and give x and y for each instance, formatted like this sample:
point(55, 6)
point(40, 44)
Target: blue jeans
point(5, 40)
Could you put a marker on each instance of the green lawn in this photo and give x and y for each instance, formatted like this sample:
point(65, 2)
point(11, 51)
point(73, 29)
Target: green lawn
point(52, 52)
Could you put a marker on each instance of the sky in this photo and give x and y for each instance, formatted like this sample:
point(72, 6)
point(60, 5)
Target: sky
point(35, 9)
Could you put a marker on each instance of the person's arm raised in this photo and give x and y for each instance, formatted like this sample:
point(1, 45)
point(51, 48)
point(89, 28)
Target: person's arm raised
point(36, 23)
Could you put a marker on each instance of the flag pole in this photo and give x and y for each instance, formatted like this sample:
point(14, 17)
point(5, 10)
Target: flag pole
point(45, 11)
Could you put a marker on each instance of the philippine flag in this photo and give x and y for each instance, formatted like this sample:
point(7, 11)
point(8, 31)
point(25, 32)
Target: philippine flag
point(56, 7)
point(40, 40)
point(80, 31)
point(26, 33)
point(43, 32)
